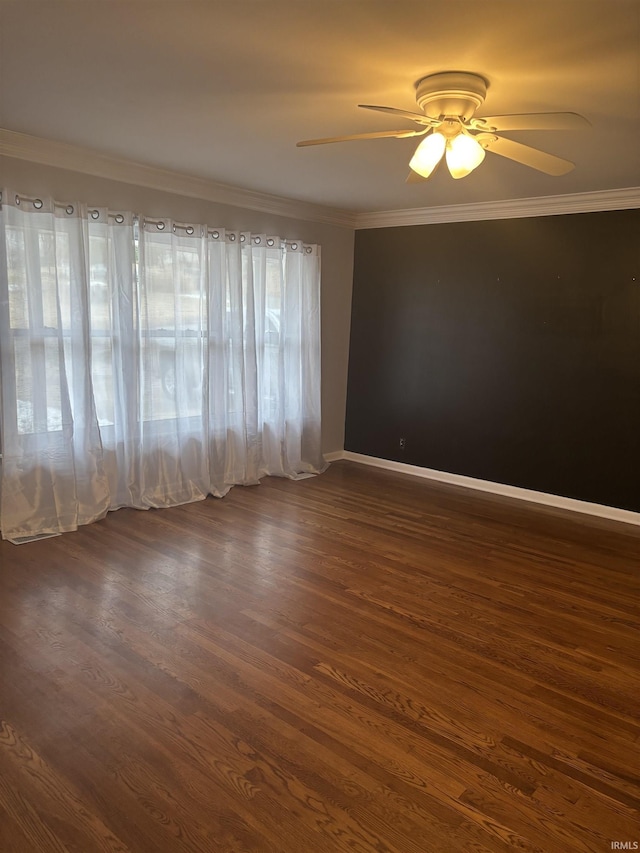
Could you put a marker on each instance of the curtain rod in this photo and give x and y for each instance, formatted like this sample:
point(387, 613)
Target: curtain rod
point(68, 208)
point(161, 223)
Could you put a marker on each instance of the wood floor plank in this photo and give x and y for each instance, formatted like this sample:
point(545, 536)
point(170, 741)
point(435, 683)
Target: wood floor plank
point(63, 818)
point(360, 661)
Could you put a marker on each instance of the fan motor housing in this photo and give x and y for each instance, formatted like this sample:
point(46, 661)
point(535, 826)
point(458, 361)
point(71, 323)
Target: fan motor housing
point(452, 93)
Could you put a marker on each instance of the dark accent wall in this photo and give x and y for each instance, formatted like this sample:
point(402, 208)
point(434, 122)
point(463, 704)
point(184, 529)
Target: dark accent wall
point(506, 350)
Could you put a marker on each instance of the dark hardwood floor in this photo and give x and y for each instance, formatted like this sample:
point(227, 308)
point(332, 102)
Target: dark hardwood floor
point(361, 661)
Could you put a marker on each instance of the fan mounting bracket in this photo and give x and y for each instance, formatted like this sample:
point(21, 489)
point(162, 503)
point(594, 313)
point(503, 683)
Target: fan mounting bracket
point(451, 93)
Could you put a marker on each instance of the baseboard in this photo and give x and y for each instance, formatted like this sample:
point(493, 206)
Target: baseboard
point(609, 512)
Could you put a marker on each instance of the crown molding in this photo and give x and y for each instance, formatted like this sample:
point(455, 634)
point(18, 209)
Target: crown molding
point(552, 205)
point(62, 155)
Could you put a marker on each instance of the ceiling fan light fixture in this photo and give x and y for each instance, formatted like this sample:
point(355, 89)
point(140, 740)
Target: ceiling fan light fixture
point(428, 154)
point(464, 154)
point(448, 102)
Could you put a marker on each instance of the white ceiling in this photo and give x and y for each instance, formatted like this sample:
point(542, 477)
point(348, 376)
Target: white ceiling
point(224, 90)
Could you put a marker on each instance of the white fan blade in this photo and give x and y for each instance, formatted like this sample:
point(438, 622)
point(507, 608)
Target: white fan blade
point(532, 121)
point(377, 134)
point(419, 117)
point(533, 157)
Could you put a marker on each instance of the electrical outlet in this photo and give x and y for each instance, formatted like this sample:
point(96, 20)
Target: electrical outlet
point(403, 443)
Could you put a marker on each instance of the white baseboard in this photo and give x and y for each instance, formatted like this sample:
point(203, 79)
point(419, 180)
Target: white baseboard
point(612, 513)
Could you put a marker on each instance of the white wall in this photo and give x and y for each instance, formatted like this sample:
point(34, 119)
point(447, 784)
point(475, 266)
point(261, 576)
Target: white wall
point(336, 241)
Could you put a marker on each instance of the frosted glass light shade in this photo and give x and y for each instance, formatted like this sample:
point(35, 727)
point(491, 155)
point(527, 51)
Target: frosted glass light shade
point(428, 154)
point(464, 154)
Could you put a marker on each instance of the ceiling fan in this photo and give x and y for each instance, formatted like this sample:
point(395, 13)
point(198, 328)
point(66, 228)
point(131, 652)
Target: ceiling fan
point(448, 103)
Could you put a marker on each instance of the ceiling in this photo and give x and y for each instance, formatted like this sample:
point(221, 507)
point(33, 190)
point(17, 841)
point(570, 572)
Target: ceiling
point(224, 90)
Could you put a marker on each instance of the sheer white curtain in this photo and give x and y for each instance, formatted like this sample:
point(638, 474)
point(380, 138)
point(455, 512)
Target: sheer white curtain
point(148, 364)
point(53, 477)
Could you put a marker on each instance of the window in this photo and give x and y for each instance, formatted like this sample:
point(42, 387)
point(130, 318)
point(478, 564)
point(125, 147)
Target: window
point(178, 359)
